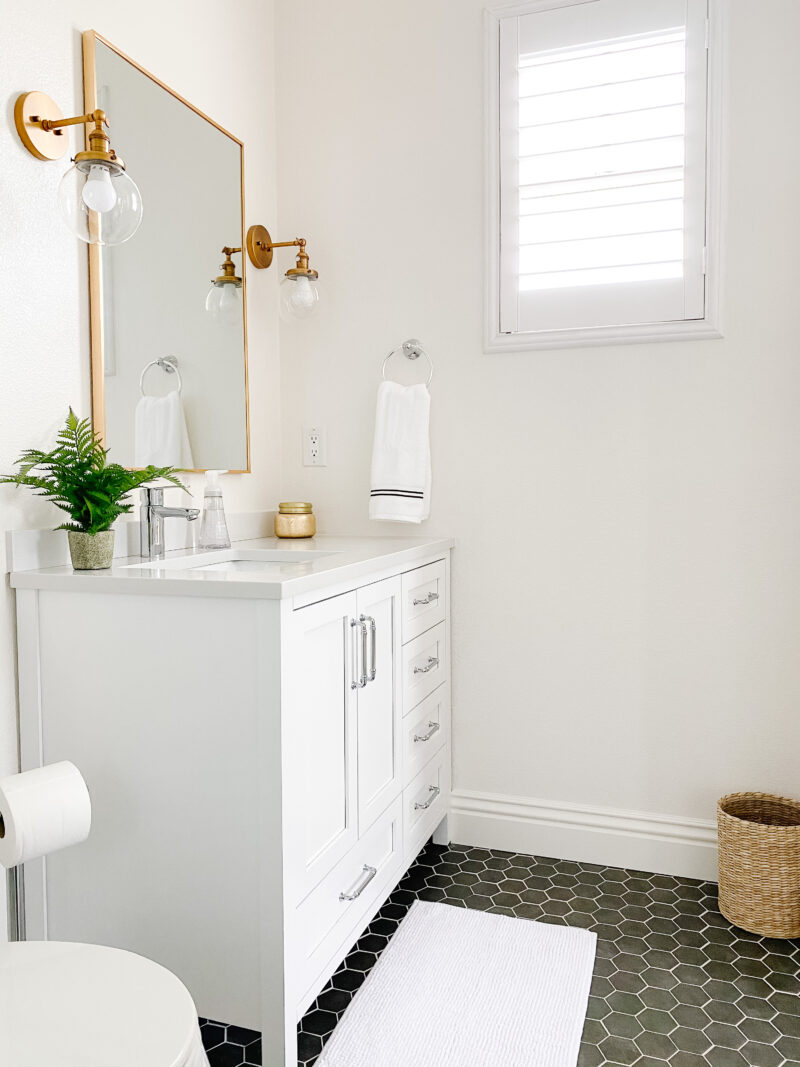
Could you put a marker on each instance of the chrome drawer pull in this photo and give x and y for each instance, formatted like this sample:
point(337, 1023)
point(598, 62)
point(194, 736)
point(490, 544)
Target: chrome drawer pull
point(434, 791)
point(361, 885)
point(359, 679)
point(432, 662)
point(373, 629)
point(433, 727)
point(429, 599)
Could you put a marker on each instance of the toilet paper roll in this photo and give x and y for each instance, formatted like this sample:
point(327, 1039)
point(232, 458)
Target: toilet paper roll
point(42, 811)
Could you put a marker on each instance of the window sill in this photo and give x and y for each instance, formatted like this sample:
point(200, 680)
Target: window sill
point(648, 333)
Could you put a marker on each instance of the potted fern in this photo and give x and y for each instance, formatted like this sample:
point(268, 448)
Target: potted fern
point(77, 478)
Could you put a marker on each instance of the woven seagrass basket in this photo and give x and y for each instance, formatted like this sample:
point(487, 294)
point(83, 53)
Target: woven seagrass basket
point(759, 863)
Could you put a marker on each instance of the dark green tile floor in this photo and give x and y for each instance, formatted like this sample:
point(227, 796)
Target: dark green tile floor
point(674, 982)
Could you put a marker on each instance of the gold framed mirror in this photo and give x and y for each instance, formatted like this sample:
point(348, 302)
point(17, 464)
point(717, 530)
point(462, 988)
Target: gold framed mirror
point(168, 319)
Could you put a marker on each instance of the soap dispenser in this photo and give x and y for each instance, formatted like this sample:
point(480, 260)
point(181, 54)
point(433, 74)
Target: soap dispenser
point(213, 528)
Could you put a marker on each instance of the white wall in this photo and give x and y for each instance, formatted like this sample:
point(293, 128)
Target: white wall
point(626, 583)
point(219, 59)
point(627, 577)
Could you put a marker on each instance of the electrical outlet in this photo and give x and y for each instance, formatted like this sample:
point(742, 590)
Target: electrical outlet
point(315, 452)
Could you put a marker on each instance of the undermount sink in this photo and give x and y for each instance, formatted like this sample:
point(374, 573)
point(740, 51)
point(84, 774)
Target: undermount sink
point(235, 561)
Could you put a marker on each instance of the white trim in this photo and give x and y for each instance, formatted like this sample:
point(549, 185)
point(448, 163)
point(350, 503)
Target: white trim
point(644, 333)
point(707, 328)
point(644, 841)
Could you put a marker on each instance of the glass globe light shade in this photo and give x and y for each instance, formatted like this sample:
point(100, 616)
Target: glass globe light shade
point(224, 304)
point(299, 296)
point(102, 205)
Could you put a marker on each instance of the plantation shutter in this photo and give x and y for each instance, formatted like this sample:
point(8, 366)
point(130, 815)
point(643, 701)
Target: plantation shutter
point(602, 165)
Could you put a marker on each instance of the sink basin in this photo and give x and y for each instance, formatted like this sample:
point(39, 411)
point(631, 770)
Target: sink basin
point(236, 561)
point(253, 566)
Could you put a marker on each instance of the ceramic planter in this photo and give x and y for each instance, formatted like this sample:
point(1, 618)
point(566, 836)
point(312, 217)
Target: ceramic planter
point(91, 552)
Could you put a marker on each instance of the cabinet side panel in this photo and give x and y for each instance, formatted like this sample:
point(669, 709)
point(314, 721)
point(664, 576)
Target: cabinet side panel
point(155, 700)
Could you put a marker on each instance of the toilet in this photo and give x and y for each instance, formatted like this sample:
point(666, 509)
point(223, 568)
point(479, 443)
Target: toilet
point(72, 1005)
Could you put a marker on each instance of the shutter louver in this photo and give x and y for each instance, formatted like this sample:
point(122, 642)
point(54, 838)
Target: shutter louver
point(602, 165)
point(601, 152)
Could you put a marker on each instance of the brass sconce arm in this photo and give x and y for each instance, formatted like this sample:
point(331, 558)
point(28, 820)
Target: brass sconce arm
point(228, 268)
point(40, 126)
point(260, 248)
point(98, 117)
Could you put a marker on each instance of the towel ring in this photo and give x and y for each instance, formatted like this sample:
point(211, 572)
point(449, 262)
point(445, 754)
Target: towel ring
point(411, 349)
point(168, 364)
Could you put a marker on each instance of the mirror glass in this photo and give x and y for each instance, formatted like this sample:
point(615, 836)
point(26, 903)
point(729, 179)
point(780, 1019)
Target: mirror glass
point(169, 378)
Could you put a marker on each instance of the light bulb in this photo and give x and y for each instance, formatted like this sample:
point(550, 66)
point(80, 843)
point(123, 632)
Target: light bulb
point(85, 200)
point(299, 296)
point(98, 192)
point(212, 300)
point(223, 303)
point(303, 295)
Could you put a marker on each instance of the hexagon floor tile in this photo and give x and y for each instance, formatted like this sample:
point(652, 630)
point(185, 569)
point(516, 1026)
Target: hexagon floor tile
point(674, 982)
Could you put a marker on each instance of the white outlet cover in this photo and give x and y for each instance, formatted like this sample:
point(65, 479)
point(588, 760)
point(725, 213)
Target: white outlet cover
point(315, 446)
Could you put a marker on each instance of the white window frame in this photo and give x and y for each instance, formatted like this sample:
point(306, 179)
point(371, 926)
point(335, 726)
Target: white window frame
point(707, 327)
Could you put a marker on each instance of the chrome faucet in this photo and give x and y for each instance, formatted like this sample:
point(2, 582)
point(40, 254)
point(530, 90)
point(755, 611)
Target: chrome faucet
point(151, 522)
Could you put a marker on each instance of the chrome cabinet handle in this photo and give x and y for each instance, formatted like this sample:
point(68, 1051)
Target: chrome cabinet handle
point(432, 662)
point(373, 629)
point(434, 791)
point(433, 727)
point(359, 680)
point(429, 599)
point(366, 877)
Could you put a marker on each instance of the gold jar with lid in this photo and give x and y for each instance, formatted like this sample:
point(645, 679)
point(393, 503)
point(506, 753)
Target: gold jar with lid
point(294, 519)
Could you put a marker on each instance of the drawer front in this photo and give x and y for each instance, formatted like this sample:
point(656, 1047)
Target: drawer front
point(425, 802)
point(334, 908)
point(424, 666)
point(425, 731)
point(424, 599)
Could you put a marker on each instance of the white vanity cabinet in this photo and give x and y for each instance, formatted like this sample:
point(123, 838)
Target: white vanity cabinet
point(345, 745)
point(265, 761)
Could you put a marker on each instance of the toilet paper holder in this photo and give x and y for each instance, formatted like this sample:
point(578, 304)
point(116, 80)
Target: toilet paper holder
point(15, 890)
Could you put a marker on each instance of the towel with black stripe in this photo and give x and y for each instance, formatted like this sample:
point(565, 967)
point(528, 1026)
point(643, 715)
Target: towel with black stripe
point(400, 482)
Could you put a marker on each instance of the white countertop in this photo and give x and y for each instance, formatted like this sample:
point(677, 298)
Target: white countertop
point(182, 573)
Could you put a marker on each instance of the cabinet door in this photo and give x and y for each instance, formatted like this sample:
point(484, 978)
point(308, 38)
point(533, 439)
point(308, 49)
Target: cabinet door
point(379, 760)
point(319, 728)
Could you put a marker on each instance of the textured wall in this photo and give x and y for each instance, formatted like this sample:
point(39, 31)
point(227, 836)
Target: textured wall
point(221, 60)
point(626, 583)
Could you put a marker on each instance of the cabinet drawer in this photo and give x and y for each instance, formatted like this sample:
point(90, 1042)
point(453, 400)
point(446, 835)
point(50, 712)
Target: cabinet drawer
point(424, 599)
point(425, 731)
point(425, 802)
point(356, 883)
point(424, 665)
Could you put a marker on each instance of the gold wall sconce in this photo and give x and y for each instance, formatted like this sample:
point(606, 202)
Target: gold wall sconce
point(299, 293)
point(223, 302)
point(97, 199)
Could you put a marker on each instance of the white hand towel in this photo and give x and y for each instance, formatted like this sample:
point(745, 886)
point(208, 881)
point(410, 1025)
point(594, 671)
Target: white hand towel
point(160, 435)
point(401, 456)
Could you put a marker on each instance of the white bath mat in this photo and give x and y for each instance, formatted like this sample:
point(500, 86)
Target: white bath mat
point(461, 988)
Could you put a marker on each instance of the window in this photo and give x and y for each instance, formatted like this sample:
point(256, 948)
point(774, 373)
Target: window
point(601, 152)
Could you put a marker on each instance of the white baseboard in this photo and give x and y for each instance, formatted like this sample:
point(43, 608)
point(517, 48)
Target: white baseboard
point(638, 840)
